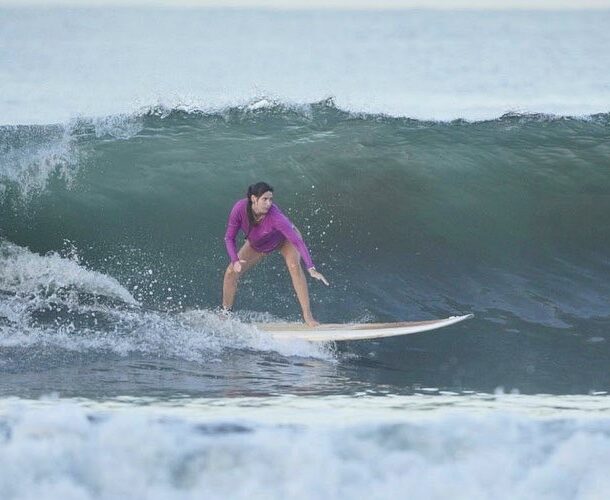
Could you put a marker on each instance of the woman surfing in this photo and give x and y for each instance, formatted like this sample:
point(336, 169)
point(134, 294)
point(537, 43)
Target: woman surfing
point(267, 229)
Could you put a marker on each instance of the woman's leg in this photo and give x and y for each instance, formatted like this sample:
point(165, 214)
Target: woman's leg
point(229, 286)
point(299, 282)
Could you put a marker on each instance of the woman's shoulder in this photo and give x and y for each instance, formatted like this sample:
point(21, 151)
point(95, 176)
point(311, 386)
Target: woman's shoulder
point(241, 203)
point(275, 210)
point(277, 214)
point(239, 207)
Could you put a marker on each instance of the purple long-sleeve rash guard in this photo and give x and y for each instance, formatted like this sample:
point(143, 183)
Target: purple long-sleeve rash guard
point(265, 236)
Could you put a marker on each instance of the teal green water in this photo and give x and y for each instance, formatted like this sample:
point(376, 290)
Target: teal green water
point(506, 219)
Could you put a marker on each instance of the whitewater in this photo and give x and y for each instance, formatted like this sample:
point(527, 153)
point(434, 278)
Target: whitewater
point(436, 162)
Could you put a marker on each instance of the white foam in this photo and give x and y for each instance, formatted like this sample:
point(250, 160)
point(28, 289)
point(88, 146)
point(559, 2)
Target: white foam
point(60, 449)
point(25, 273)
point(31, 282)
point(153, 334)
point(44, 153)
point(122, 126)
point(239, 335)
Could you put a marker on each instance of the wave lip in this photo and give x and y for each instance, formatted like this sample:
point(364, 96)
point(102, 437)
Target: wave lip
point(26, 273)
point(38, 154)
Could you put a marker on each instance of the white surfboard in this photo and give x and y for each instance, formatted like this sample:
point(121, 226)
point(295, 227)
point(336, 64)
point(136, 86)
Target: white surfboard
point(356, 331)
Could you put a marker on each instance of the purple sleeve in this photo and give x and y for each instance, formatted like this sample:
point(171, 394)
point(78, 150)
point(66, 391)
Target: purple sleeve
point(233, 226)
point(283, 224)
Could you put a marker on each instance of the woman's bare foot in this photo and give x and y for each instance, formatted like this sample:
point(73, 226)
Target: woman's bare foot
point(312, 323)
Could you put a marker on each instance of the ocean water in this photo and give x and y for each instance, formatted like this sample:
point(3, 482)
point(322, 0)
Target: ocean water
point(437, 163)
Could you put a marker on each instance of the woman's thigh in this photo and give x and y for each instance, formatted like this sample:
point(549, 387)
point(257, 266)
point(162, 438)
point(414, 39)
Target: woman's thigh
point(290, 253)
point(251, 256)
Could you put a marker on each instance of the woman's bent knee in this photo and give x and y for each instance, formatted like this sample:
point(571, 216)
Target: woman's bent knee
point(231, 273)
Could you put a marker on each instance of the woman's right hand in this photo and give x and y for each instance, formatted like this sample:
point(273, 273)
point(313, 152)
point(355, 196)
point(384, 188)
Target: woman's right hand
point(317, 275)
point(237, 265)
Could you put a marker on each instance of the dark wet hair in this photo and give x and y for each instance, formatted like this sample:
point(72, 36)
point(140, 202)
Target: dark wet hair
point(258, 189)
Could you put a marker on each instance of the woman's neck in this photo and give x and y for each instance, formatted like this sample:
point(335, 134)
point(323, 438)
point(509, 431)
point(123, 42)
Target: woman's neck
point(258, 217)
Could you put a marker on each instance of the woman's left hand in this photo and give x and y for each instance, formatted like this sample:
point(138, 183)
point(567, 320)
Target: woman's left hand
point(315, 274)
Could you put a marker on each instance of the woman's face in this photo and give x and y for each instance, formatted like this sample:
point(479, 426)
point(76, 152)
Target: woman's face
point(262, 204)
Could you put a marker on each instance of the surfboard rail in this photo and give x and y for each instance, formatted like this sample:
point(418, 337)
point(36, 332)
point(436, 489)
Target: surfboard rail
point(354, 331)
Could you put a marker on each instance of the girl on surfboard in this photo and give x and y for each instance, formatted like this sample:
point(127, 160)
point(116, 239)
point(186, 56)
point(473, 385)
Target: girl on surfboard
point(266, 229)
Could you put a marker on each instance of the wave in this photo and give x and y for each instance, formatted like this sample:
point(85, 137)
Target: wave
point(505, 218)
point(521, 200)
